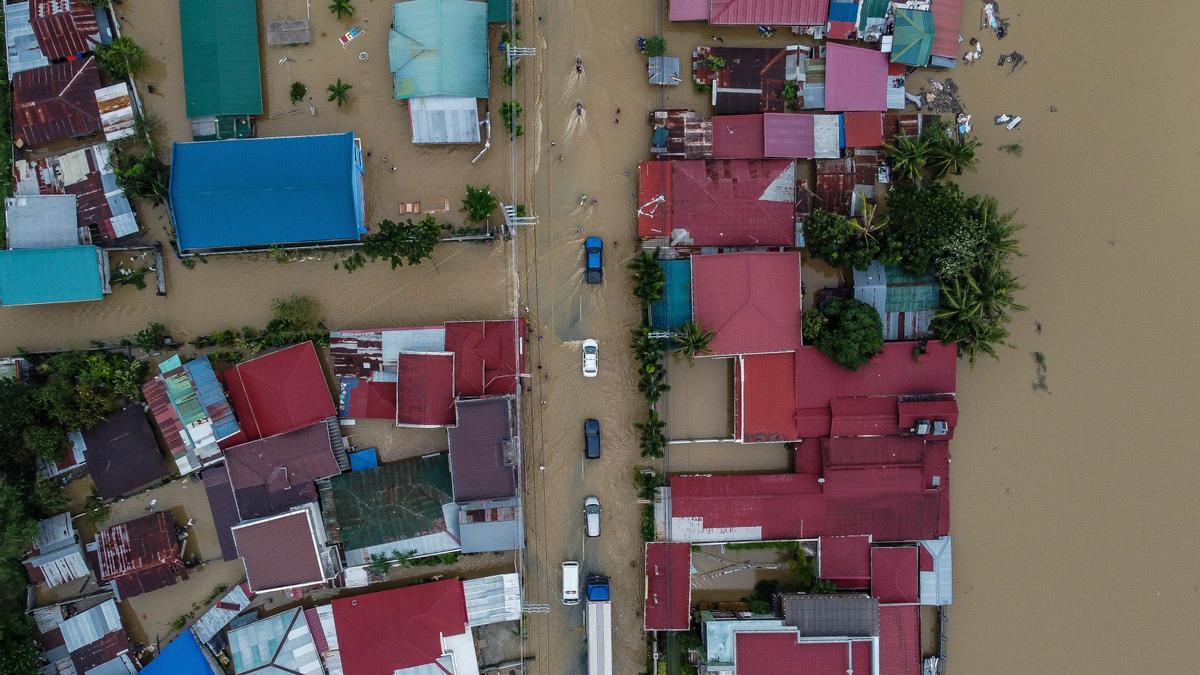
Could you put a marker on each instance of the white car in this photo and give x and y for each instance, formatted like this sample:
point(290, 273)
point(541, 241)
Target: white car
point(591, 510)
point(591, 358)
point(570, 583)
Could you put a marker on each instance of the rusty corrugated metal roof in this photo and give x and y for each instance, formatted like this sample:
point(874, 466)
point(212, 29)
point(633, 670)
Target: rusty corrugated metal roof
point(56, 102)
point(64, 28)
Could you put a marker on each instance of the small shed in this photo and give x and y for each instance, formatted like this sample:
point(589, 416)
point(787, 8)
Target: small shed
point(288, 32)
point(41, 222)
point(912, 39)
point(664, 71)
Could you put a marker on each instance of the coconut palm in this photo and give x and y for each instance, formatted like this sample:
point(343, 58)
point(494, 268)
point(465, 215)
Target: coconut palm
point(479, 203)
point(653, 440)
point(691, 340)
point(341, 9)
point(952, 155)
point(909, 155)
point(645, 348)
point(975, 309)
point(999, 229)
point(339, 92)
point(649, 280)
point(652, 382)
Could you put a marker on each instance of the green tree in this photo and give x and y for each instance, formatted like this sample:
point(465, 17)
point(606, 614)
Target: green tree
point(654, 46)
point(19, 526)
point(293, 313)
point(122, 58)
point(924, 222)
point(339, 92)
point(652, 382)
point(479, 203)
point(645, 348)
point(82, 388)
point(908, 156)
point(812, 323)
point(138, 171)
point(653, 440)
point(510, 112)
point(953, 155)
point(649, 279)
point(46, 442)
point(844, 242)
point(95, 510)
point(404, 243)
point(341, 9)
point(824, 586)
point(852, 334)
point(298, 92)
point(975, 309)
point(692, 340)
point(151, 338)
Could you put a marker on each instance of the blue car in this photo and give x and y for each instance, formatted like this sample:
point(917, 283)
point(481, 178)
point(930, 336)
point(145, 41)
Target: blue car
point(594, 272)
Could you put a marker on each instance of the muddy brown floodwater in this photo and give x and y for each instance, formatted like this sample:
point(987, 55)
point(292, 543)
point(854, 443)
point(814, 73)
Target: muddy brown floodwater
point(1074, 506)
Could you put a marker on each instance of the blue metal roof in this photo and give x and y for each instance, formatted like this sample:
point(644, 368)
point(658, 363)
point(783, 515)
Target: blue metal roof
point(39, 276)
point(364, 459)
point(181, 656)
point(257, 192)
point(212, 397)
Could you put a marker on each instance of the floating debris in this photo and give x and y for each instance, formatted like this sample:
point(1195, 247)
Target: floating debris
point(991, 20)
point(1002, 119)
point(1014, 149)
point(1039, 362)
point(1016, 122)
point(1017, 59)
point(964, 123)
point(943, 98)
point(975, 54)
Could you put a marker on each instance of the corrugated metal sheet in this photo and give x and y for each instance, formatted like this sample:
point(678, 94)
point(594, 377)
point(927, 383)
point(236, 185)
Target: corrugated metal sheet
point(401, 628)
point(90, 625)
point(767, 398)
point(116, 111)
point(900, 640)
point(24, 52)
point(768, 12)
point(444, 119)
point(273, 474)
point(737, 137)
point(863, 129)
point(668, 586)
point(688, 10)
point(825, 136)
point(947, 22)
point(50, 275)
point(936, 579)
point(425, 389)
point(727, 299)
point(489, 356)
point(155, 392)
point(223, 506)
point(773, 652)
point(491, 525)
point(395, 502)
point(824, 615)
point(281, 643)
point(492, 599)
point(439, 48)
point(56, 102)
point(123, 455)
point(84, 173)
point(280, 392)
point(499, 11)
point(482, 456)
point(788, 135)
point(141, 555)
point(64, 28)
point(656, 199)
point(41, 222)
point(855, 78)
point(255, 192)
point(220, 57)
point(733, 202)
point(845, 560)
point(220, 614)
point(912, 39)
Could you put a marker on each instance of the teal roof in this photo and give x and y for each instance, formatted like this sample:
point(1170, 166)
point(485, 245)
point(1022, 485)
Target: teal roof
point(439, 48)
point(908, 293)
point(39, 276)
point(500, 11)
point(220, 57)
point(912, 39)
point(675, 308)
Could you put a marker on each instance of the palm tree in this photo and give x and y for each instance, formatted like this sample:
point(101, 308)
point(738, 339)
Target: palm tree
point(645, 348)
point(341, 9)
point(479, 203)
point(999, 230)
point(340, 92)
point(649, 280)
point(691, 340)
point(953, 155)
point(652, 382)
point(653, 440)
point(908, 156)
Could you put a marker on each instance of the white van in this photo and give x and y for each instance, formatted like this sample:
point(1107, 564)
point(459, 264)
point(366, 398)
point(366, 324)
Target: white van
point(570, 583)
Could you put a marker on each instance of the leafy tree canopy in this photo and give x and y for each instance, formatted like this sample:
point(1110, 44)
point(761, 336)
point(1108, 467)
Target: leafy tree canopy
point(403, 243)
point(852, 333)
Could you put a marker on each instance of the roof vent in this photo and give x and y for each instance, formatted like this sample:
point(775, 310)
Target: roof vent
point(940, 428)
point(921, 428)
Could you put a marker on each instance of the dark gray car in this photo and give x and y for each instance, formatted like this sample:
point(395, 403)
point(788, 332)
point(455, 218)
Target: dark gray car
point(591, 439)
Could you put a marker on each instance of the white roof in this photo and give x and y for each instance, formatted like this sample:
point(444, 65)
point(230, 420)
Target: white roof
point(41, 221)
point(90, 625)
point(444, 119)
point(937, 586)
point(493, 599)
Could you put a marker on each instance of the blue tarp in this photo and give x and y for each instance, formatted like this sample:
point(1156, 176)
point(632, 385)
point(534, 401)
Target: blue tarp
point(675, 309)
point(843, 11)
point(258, 192)
point(181, 656)
point(364, 459)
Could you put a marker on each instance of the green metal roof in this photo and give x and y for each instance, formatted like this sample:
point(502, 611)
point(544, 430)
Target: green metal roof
point(908, 293)
point(396, 501)
point(439, 48)
point(912, 39)
point(499, 11)
point(39, 276)
point(220, 57)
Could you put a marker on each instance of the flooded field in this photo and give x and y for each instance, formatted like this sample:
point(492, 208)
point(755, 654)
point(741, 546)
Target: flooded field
point(1071, 503)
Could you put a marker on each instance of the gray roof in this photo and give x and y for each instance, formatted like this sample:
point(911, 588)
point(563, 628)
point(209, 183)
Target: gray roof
point(482, 456)
point(41, 221)
point(491, 525)
point(664, 70)
point(24, 53)
point(278, 644)
point(88, 626)
point(831, 615)
point(444, 119)
point(221, 613)
point(493, 599)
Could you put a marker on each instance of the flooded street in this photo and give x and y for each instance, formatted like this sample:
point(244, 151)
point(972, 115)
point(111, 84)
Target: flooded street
point(1073, 505)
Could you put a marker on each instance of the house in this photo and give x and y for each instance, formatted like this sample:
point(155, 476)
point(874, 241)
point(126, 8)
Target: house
point(728, 299)
point(123, 456)
point(490, 525)
point(855, 79)
point(42, 276)
point(492, 599)
point(286, 551)
point(728, 203)
point(845, 560)
point(55, 102)
point(182, 655)
point(221, 71)
point(290, 191)
point(947, 22)
point(906, 304)
point(405, 506)
point(680, 134)
point(67, 29)
point(483, 455)
point(912, 37)
point(283, 643)
point(97, 642)
point(41, 222)
point(863, 129)
point(24, 52)
point(668, 596)
point(192, 412)
point(406, 628)
point(209, 629)
point(746, 80)
point(894, 574)
point(57, 556)
point(438, 55)
point(279, 392)
point(273, 474)
point(425, 389)
point(774, 13)
point(489, 356)
point(140, 556)
point(86, 173)
point(116, 111)
point(738, 137)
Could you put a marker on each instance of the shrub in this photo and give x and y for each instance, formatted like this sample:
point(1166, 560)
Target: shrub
point(122, 58)
point(295, 313)
point(479, 203)
point(298, 92)
point(654, 46)
point(852, 334)
point(510, 112)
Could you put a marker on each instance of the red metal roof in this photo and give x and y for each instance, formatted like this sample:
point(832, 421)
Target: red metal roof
point(768, 12)
point(855, 78)
point(425, 390)
point(261, 542)
point(654, 199)
point(892, 372)
point(846, 560)
point(688, 10)
point(863, 416)
point(64, 29)
point(788, 135)
point(767, 398)
point(734, 202)
point(141, 555)
point(737, 137)
point(370, 399)
point(945, 409)
point(900, 640)
point(894, 574)
point(781, 653)
point(668, 586)
point(863, 129)
point(380, 633)
point(947, 23)
point(273, 474)
point(489, 356)
point(100, 651)
point(280, 391)
point(55, 102)
point(869, 451)
point(728, 299)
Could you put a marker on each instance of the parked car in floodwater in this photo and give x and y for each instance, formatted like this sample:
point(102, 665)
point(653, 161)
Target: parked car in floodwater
point(591, 358)
point(591, 511)
point(591, 439)
point(594, 260)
